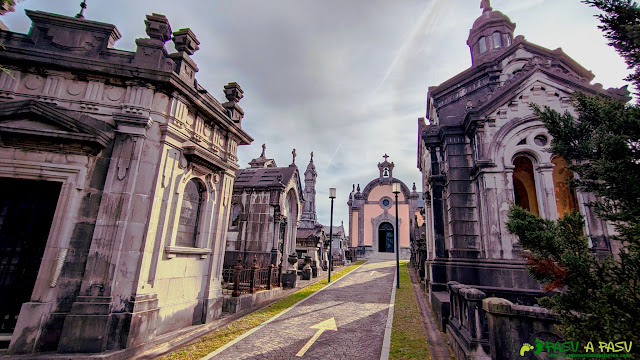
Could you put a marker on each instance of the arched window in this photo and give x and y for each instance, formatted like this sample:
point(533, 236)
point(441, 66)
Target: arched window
point(482, 44)
point(192, 200)
point(507, 40)
point(497, 40)
point(566, 200)
point(524, 184)
point(234, 220)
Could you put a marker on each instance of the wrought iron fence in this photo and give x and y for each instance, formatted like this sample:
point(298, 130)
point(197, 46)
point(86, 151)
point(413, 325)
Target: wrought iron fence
point(239, 280)
point(264, 258)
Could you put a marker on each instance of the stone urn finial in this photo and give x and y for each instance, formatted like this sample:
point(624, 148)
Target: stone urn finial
point(233, 92)
point(185, 40)
point(158, 27)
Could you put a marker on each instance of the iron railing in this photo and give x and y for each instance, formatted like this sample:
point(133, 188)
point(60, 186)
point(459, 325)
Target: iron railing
point(239, 280)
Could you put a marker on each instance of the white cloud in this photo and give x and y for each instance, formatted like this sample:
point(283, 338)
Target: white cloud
point(345, 79)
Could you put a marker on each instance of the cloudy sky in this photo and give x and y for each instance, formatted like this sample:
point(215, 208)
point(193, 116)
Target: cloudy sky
point(345, 79)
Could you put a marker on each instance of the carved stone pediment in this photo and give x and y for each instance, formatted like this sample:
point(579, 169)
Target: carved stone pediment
point(198, 155)
point(35, 125)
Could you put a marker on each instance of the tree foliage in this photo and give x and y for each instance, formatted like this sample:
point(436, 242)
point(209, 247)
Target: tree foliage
point(620, 22)
point(597, 299)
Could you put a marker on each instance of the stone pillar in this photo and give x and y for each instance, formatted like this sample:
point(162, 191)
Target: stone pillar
point(213, 291)
point(109, 314)
point(546, 192)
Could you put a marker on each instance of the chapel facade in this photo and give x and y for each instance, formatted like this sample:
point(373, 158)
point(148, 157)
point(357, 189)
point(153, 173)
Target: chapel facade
point(372, 215)
point(117, 172)
point(483, 150)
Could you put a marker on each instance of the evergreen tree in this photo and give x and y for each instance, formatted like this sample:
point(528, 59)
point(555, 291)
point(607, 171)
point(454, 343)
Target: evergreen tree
point(621, 26)
point(596, 299)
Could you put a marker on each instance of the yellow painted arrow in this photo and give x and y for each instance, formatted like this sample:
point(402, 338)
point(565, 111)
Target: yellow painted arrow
point(329, 324)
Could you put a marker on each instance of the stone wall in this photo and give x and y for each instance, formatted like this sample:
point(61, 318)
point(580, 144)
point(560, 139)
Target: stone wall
point(510, 326)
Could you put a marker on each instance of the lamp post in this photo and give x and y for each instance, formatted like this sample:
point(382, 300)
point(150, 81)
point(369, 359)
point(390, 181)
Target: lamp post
point(332, 195)
point(395, 188)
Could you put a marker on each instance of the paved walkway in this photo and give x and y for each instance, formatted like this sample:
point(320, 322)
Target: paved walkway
point(359, 305)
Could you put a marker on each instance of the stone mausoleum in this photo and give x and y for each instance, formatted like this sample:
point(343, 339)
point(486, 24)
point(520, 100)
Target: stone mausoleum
point(372, 216)
point(117, 172)
point(483, 150)
point(265, 212)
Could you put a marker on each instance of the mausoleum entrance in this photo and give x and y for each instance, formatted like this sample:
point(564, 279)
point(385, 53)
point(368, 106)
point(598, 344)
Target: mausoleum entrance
point(385, 238)
point(26, 214)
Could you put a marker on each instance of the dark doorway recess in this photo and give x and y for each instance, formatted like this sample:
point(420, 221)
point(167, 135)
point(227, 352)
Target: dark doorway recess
point(26, 214)
point(385, 237)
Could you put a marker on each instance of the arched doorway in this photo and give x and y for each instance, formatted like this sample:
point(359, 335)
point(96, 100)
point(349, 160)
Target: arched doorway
point(385, 238)
point(524, 184)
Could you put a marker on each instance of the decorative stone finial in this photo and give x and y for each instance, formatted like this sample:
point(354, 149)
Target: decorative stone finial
point(385, 156)
point(294, 157)
point(485, 5)
point(83, 5)
point(185, 40)
point(353, 187)
point(158, 27)
point(233, 92)
point(358, 188)
point(264, 147)
point(311, 157)
point(414, 187)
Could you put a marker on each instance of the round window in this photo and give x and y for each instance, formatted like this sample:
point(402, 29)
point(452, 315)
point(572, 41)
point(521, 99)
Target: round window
point(385, 202)
point(540, 140)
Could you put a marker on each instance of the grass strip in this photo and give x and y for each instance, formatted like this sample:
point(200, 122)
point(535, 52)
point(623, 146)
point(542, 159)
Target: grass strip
point(408, 340)
point(219, 337)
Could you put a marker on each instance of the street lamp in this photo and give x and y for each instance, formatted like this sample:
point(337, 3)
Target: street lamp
point(332, 195)
point(395, 188)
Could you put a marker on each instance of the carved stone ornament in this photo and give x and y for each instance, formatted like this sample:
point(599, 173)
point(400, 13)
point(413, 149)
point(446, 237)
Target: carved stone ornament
point(185, 40)
point(158, 27)
point(233, 92)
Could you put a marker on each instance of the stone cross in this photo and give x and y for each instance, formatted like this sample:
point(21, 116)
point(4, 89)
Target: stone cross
point(485, 5)
point(385, 157)
point(294, 156)
point(264, 147)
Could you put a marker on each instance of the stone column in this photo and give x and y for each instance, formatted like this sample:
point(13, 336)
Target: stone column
point(546, 192)
point(213, 291)
point(109, 314)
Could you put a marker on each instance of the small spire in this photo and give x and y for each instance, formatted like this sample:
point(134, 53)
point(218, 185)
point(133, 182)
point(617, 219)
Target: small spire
point(414, 187)
point(264, 147)
point(311, 157)
point(83, 5)
point(485, 5)
point(353, 187)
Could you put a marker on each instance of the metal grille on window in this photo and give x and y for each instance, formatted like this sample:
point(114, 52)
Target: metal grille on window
point(190, 214)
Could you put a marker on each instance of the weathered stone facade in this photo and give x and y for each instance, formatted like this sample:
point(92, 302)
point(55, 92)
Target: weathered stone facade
point(484, 150)
point(266, 207)
point(372, 215)
point(143, 160)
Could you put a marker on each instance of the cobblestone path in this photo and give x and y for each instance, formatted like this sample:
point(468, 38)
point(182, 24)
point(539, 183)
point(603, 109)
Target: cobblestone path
point(359, 302)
